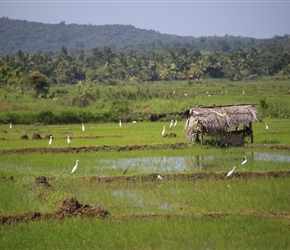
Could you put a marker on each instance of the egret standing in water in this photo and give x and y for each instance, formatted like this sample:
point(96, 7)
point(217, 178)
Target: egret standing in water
point(244, 161)
point(163, 131)
point(50, 140)
point(231, 172)
point(75, 167)
point(68, 140)
point(83, 127)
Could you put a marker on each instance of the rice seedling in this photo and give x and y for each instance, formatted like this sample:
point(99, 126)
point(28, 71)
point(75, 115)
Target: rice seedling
point(160, 233)
point(179, 211)
point(199, 213)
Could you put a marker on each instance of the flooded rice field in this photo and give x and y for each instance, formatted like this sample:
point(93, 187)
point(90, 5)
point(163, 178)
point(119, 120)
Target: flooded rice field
point(185, 164)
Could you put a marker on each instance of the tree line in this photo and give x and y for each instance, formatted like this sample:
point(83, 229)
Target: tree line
point(103, 66)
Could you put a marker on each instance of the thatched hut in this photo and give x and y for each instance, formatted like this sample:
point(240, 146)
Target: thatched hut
point(228, 125)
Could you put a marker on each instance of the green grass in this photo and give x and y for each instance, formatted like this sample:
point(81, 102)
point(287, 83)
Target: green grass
point(141, 133)
point(183, 214)
point(157, 233)
point(169, 196)
point(187, 222)
point(156, 98)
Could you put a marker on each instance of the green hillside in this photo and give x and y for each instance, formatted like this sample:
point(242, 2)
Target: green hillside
point(33, 37)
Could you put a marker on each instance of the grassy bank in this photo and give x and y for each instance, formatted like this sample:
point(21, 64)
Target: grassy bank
point(135, 101)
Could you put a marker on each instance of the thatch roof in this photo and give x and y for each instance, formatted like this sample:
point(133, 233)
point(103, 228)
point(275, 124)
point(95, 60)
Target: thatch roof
point(222, 118)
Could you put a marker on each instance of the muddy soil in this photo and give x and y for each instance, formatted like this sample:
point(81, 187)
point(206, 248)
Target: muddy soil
point(69, 207)
point(178, 145)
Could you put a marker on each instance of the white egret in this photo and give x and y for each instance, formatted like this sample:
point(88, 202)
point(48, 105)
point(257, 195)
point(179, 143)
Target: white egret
point(175, 123)
point(231, 172)
point(120, 123)
point(171, 124)
point(83, 127)
point(50, 140)
point(267, 127)
point(244, 161)
point(75, 167)
point(68, 140)
point(163, 131)
point(134, 122)
point(10, 126)
point(159, 177)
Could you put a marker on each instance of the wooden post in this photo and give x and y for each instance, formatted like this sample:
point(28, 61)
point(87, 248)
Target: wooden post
point(251, 133)
point(201, 141)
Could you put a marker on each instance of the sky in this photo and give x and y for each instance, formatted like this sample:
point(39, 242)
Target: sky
point(256, 19)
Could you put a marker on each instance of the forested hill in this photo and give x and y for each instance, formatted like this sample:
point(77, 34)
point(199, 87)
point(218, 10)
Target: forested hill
point(33, 37)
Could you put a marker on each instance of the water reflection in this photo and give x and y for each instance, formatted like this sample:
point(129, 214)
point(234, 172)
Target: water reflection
point(158, 164)
point(271, 157)
point(137, 198)
point(180, 163)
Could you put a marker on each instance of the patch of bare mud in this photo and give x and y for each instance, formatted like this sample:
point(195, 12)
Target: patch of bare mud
point(70, 207)
point(42, 180)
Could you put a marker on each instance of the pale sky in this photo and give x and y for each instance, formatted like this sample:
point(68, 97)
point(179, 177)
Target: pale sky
point(257, 19)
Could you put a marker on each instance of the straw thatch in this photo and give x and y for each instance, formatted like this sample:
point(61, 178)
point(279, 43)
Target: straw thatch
point(219, 121)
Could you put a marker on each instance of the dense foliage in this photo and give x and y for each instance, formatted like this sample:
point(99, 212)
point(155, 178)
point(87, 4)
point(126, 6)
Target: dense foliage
point(103, 66)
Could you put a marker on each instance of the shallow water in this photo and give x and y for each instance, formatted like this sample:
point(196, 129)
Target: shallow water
point(271, 157)
point(182, 163)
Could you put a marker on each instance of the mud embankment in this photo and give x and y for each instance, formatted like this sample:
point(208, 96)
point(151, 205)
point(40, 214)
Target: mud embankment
point(70, 207)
